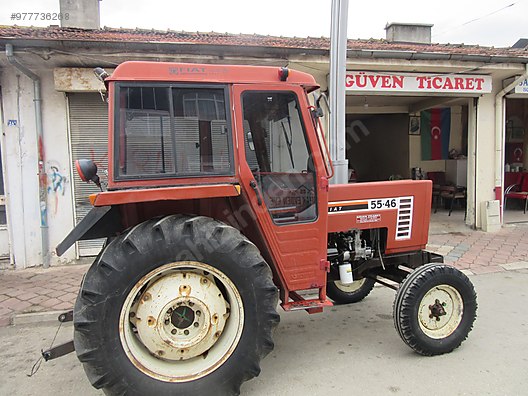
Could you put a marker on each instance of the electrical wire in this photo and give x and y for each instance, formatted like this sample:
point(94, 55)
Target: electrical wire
point(474, 20)
point(37, 364)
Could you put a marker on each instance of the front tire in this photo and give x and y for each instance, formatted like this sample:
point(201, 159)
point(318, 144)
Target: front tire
point(434, 309)
point(176, 306)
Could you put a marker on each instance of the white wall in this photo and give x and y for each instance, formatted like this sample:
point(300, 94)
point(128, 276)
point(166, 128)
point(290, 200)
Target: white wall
point(60, 203)
point(20, 148)
point(485, 149)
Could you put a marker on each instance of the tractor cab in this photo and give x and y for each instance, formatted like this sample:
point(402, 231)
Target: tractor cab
point(240, 144)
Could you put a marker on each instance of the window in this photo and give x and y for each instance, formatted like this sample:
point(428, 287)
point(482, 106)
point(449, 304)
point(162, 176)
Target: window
point(278, 155)
point(167, 131)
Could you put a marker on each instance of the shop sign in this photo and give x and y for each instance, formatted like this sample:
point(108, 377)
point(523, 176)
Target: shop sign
point(522, 87)
point(417, 83)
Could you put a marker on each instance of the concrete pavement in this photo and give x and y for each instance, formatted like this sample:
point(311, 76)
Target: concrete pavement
point(346, 350)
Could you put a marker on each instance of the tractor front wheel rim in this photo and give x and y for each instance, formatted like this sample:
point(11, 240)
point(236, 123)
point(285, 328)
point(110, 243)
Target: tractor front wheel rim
point(440, 311)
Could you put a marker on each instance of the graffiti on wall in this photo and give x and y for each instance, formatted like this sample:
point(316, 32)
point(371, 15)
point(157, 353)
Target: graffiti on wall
point(56, 186)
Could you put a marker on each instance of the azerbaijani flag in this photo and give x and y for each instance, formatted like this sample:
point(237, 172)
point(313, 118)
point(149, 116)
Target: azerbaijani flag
point(435, 126)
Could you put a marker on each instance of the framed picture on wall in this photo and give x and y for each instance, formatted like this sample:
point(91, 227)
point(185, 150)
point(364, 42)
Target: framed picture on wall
point(414, 125)
point(517, 134)
point(514, 133)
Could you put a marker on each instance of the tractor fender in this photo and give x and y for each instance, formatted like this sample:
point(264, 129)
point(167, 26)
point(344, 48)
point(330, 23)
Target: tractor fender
point(99, 222)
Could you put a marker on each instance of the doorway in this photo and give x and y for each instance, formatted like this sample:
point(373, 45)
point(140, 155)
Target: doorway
point(389, 137)
point(4, 231)
point(516, 161)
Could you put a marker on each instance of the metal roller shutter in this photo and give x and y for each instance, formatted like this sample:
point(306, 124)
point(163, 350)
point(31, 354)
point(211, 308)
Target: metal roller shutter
point(89, 139)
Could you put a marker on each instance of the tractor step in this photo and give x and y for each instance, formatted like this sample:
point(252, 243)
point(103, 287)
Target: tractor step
point(311, 306)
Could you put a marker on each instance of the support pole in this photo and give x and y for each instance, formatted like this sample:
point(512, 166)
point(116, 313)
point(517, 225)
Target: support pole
point(338, 53)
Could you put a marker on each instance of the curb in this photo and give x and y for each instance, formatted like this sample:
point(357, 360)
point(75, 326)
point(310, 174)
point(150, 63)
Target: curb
point(518, 265)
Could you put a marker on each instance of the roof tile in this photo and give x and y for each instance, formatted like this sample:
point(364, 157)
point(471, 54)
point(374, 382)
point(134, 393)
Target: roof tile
point(213, 38)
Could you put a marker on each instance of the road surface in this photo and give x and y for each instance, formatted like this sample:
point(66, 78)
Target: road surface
point(347, 350)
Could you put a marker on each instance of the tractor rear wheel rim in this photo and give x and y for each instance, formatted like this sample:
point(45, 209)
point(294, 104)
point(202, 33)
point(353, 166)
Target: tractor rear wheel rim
point(350, 287)
point(440, 311)
point(181, 321)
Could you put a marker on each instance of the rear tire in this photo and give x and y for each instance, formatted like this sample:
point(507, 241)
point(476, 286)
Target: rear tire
point(434, 309)
point(176, 306)
point(352, 293)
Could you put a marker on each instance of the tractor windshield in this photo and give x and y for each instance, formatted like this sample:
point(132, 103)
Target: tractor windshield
point(166, 131)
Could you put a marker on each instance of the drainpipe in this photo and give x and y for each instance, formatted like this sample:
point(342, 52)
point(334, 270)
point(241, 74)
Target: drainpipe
point(43, 192)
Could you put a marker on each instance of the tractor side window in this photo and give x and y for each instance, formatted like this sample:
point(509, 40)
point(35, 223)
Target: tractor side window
point(145, 139)
point(201, 130)
point(164, 131)
point(278, 155)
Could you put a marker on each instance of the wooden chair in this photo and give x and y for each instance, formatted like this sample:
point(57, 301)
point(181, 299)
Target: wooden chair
point(439, 180)
point(452, 193)
point(518, 190)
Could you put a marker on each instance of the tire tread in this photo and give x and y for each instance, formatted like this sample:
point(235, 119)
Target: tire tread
point(409, 294)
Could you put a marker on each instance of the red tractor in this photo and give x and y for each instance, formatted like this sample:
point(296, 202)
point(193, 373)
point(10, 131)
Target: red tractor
point(217, 207)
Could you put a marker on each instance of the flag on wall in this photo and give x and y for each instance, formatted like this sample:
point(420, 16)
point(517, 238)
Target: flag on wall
point(514, 153)
point(435, 127)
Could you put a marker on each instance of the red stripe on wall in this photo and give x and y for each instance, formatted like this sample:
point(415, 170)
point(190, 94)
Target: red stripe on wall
point(436, 134)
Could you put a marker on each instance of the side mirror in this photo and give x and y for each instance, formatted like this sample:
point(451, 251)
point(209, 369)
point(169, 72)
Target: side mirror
point(101, 74)
point(318, 111)
point(87, 171)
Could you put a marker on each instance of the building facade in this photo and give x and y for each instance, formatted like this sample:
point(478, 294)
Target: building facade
point(390, 87)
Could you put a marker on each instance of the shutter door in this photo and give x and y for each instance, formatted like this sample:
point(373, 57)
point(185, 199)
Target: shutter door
point(89, 139)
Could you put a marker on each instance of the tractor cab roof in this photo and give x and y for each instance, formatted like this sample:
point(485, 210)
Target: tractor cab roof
point(190, 72)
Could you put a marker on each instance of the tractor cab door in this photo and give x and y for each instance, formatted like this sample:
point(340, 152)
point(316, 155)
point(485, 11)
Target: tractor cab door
point(284, 178)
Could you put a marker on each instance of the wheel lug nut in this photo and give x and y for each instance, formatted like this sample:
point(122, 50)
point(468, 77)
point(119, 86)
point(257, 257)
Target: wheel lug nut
point(196, 324)
point(167, 322)
point(173, 331)
point(186, 332)
point(198, 313)
point(185, 290)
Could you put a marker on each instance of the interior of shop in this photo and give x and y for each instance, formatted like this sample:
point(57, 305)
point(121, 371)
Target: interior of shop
point(387, 140)
point(516, 161)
